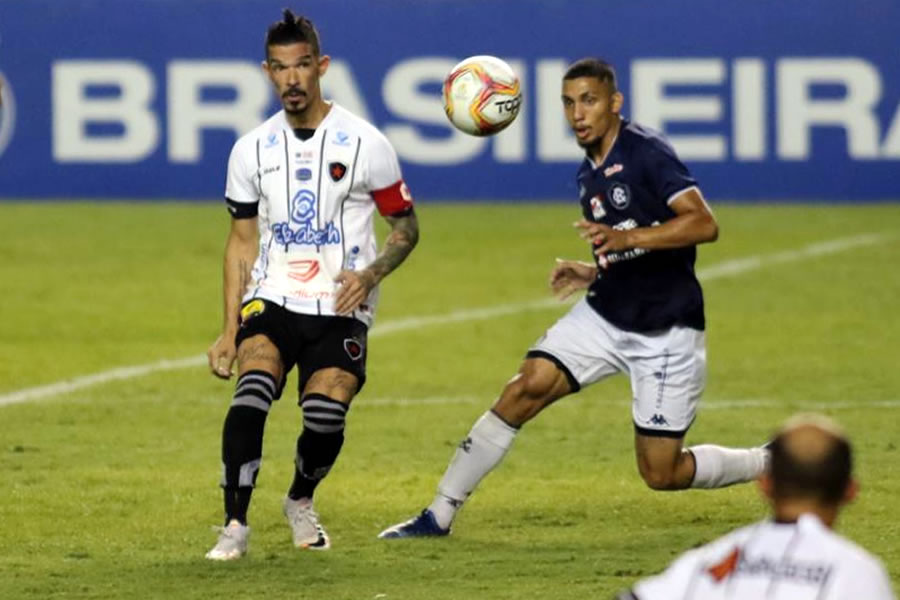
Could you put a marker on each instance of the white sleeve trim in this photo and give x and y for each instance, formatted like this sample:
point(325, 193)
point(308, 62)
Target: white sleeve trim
point(674, 196)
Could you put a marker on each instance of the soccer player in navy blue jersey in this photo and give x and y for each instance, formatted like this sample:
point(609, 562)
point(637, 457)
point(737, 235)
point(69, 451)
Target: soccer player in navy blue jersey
point(642, 315)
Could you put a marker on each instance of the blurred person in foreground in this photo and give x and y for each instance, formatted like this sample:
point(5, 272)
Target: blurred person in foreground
point(795, 555)
point(643, 214)
point(301, 277)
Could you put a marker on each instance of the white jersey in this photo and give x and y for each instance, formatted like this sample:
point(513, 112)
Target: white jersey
point(772, 561)
point(315, 200)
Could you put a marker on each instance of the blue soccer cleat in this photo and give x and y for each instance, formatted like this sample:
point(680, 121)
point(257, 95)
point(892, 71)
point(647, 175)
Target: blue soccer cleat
point(422, 526)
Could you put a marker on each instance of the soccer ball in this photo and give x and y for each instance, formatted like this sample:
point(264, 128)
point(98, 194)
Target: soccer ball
point(481, 95)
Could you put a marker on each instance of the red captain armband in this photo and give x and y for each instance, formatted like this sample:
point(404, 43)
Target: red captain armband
point(394, 200)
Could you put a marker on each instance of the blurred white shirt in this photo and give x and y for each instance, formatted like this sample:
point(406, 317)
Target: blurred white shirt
point(774, 561)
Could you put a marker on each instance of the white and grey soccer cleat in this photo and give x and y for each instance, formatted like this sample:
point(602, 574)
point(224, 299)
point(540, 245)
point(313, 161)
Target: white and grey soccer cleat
point(232, 543)
point(306, 530)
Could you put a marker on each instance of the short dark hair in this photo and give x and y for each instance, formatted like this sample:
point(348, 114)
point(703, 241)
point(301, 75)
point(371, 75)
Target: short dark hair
point(593, 67)
point(822, 473)
point(292, 29)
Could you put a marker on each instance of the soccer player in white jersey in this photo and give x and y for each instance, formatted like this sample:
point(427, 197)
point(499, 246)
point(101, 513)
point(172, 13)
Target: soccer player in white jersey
point(643, 315)
point(301, 276)
point(795, 555)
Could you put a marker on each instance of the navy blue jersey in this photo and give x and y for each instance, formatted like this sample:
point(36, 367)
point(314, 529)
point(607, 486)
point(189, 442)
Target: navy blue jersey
point(641, 290)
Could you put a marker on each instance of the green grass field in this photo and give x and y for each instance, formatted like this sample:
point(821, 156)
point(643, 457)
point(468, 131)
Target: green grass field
point(111, 490)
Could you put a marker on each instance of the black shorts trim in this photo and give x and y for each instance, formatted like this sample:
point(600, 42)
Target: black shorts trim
point(573, 383)
point(660, 433)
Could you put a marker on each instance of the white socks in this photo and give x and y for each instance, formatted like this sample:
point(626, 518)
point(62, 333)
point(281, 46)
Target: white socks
point(719, 467)
point(476, 456)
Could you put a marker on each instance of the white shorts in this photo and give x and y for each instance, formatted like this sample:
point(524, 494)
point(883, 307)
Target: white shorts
point(667, 367)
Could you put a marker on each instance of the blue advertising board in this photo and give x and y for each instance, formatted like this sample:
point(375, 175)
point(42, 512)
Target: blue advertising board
point(765, 100)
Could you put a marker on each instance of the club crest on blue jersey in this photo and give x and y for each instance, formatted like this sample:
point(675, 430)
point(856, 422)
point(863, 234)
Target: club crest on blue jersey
point(619, 195)
point(303, 214)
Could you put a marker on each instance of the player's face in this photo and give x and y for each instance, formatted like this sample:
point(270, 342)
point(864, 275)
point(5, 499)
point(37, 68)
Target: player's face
point(295, 71)
point(592, 108)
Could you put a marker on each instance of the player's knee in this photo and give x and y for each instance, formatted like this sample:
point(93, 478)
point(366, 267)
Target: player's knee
point(524, 396)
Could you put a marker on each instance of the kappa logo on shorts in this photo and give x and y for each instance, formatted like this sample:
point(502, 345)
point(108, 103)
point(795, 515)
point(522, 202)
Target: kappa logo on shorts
point(658, 419)
point(619, 195)
point(337, 170)
point(251, 309)
point(353, 348)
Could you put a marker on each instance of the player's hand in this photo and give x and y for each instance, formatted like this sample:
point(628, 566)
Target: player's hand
point(221, 356)
point(355, 288)
point(603, 236)
point(569, 276)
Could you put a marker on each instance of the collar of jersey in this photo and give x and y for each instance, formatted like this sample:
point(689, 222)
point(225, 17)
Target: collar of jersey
point(286, 126)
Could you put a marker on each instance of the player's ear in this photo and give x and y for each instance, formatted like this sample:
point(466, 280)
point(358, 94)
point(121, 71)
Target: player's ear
point(618, 100)
point(851, 492)
point(324, 61)
point(265, 67)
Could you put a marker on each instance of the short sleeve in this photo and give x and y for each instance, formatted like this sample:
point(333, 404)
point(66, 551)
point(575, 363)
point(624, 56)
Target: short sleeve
point(240, 190)
point(668, 175)
point(384, 178)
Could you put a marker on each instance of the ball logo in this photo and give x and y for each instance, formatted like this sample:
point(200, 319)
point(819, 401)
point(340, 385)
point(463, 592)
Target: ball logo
point(303, 207)
point(619, 195)
point(7, 113)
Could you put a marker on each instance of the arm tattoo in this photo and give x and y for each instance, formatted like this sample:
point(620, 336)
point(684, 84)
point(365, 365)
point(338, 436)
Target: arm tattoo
point(399, 243)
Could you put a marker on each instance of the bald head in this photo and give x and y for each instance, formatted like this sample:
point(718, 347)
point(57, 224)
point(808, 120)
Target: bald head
point(812, 460)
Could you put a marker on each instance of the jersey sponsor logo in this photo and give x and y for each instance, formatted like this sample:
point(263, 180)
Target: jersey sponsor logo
point(612, 170)
point(341, 138)
point(597, 209)
point(303, 174)
point(251, 309)
point(337, 170)
point(303, 270)
point(619, 195)
point(7, 113)
point(303, 214)
point(270, 170)
point(726, 567)
point(271, 141)
point(614, 257)
point(353, 348)
point(352, 256)
point(784, 569)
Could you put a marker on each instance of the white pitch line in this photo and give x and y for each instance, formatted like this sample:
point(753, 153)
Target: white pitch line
point(726, 268)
